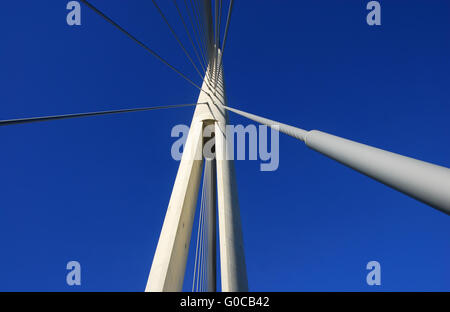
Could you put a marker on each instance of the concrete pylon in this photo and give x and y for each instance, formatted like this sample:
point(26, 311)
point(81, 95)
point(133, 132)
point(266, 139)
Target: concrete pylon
point(232, 259)
point(169, 262)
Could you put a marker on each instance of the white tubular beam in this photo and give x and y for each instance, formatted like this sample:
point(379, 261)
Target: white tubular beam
point(169, 261)
point(289, 130)
point(423, 181)
point(210, 175)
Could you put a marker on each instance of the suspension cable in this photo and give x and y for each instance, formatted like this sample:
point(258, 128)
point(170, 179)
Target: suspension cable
point(199, 7)
point(142, 44)
point(196, 34)
point(177, 38)
point(205, 229)
point(189, 36)
point(198, 22)
point(79, 115)
point(216, 20)
point(227, 26)
point(195, 279)
point(218, 23)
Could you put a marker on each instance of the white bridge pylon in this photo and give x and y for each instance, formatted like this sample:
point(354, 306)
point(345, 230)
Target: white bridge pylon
point(169, 262)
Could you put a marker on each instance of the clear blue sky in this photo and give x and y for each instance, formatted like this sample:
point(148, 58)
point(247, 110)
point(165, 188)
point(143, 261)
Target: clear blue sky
point(96, 190)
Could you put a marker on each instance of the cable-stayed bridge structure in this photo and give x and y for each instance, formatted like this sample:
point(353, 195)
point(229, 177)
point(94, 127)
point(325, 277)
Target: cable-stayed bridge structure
point(207, 173)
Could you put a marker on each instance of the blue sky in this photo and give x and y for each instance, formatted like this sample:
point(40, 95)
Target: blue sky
point(95, 190)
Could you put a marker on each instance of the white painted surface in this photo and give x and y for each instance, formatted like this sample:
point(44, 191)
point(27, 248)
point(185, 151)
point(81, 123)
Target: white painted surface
point(232, 259)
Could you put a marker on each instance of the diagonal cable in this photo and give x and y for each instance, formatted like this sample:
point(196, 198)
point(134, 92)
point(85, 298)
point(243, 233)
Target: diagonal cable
point(196, 34)
point(219, 22)
point(227, 26)
point(197, 22)
point(201, 255)
point(177, 38)
point(79, 115)
point(142, 44)
point(198, 8)
point(197, 254)
point(205, 228)
point(218, 17)
point(189, 36)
